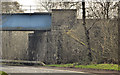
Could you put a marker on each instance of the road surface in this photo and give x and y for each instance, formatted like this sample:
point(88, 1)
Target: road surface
point(33, 69)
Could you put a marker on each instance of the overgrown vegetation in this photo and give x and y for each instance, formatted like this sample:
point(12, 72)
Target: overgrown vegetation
point(3, 73)
point(92, 66)
point(101, 36)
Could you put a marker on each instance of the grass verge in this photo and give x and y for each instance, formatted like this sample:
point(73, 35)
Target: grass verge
point(3, 73)
point(93, 66)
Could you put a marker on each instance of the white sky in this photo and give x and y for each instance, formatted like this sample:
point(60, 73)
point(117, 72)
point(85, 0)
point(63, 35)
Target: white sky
point(36, 2)
point(27, 2)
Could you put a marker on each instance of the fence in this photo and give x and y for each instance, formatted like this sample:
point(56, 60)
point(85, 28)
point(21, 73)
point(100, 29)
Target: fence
point(24, 9)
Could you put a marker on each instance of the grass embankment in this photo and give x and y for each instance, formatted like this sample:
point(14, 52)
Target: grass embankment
point(93, 66)
point(3, 73)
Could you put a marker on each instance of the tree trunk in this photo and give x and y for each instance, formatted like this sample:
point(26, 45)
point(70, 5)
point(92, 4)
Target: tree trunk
point(87, 34)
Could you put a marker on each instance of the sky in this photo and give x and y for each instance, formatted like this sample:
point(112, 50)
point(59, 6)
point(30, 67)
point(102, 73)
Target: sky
point(34, 2)
point(27, 2)
point(22, 2)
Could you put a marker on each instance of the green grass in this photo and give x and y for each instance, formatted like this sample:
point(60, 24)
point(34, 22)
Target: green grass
point(93, 66)
point(60, 65)
point(3, 73)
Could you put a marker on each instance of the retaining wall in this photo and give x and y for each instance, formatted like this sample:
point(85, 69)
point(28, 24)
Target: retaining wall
point(64, 42)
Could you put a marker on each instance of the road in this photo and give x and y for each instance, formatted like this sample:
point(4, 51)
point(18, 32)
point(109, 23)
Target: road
point(33, 69)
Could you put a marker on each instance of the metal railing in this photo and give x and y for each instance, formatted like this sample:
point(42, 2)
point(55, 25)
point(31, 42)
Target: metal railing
point(24, 9)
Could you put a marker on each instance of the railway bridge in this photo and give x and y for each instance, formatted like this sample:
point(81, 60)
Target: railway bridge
point(40, 36)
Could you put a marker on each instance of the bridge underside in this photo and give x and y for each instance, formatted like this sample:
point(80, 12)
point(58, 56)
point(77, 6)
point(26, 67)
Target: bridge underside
point(26, 21)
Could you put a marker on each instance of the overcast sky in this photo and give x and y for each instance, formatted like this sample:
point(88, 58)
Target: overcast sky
point(27, 2)
point(34, 2)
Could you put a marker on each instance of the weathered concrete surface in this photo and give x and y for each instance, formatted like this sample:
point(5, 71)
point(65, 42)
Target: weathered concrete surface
point(0, 44)
point(64, 42)
point(119, 34)
point(56, 46)
point(103, 38)
point(15, 45)
point(37, 45)
point(63, 21)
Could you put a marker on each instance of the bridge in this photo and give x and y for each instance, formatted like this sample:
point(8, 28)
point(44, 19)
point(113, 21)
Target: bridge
point(26, 21)
point(39, 36)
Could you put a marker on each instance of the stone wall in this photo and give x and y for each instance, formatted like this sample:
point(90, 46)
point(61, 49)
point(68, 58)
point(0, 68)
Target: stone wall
point(0, 44)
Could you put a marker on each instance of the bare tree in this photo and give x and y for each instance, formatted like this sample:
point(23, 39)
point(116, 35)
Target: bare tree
point(102, 10)
point(59, 5)
point(96, 11)
point(11, 7)
point(86, 33)
point(106, 38)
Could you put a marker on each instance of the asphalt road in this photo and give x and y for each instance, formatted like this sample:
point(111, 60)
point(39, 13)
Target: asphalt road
point(32, 69)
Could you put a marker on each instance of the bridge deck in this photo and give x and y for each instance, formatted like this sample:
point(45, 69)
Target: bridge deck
point(26, 21)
